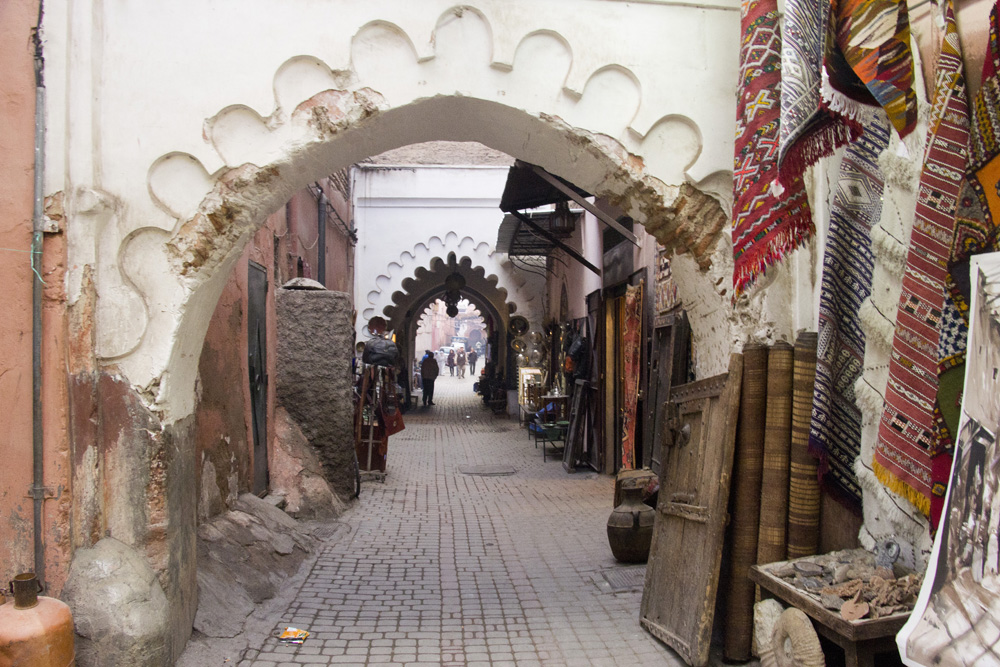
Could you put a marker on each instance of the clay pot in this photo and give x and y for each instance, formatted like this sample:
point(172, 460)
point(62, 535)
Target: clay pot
point(630, 527)
point(35, 630)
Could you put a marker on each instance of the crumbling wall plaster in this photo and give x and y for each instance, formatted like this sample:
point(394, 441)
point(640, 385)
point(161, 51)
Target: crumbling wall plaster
point(609, 117)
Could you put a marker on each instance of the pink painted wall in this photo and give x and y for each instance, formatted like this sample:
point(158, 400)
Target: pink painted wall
point(17, 91)
point(223, 420)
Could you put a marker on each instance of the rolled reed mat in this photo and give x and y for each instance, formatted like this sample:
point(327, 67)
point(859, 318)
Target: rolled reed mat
point(772, 535)
point(745, 504)
point(803, 482)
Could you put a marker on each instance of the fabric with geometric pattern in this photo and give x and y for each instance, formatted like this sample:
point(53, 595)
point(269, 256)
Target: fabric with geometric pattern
point(765, 226)
point(848, 264)
point(907, 434)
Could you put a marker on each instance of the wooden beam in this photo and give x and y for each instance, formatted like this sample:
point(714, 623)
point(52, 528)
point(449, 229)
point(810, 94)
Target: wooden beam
point(559, 244)
point(599, 214)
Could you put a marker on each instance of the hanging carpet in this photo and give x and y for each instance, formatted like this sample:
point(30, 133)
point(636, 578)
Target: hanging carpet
point(810, 129)
point(873, 39)
point(907, 433)
point(976, 217)
point(835, 431)
point(765, 226)
point(978, 228)
point(632, 352)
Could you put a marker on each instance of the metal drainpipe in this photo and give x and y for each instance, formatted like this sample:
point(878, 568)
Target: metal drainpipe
point(38, 479)
point(321, 239)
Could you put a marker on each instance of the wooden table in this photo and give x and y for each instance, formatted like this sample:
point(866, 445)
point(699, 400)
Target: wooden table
point(861, 640)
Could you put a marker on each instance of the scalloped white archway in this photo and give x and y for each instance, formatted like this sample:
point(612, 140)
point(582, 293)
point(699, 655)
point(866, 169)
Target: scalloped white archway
point(537, 94)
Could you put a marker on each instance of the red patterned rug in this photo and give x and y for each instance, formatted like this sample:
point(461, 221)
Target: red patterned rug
point(907, 435)
point(632, 351)
point(766, 225)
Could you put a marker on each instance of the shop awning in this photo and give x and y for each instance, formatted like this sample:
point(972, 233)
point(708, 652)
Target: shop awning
point(530, 186)
point(530, 238)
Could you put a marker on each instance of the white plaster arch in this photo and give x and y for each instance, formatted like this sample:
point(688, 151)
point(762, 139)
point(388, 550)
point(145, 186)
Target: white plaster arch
point(428, 283)
point(382, 84)
point(521, 288)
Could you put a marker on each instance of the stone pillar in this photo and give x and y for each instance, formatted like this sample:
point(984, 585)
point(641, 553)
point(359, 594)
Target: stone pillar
point(315, 348)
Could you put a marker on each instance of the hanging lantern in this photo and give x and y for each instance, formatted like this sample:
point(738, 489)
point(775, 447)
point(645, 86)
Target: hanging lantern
point(561, 221)
point(454, 282)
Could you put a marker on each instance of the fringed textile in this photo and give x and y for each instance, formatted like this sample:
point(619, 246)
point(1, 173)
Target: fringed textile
point(873, 36)
point(835, 431)
point(810, 130)
point(907, 432)
point(975, 232)
point(765, 227)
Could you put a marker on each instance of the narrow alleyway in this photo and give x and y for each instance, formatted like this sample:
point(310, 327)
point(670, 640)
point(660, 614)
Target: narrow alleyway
point(446, 568)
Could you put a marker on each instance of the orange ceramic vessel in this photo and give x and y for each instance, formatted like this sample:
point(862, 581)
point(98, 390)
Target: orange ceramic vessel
point(40, 636)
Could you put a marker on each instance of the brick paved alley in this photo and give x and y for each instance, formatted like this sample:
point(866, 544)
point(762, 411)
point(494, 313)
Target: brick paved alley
point(447, 568)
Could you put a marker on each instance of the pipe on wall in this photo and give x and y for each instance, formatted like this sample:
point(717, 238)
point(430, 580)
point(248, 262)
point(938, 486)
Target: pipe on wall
point(38, 225)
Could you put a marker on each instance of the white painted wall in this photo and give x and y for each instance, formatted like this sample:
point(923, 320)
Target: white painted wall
point(149, 104)
point(408, 215)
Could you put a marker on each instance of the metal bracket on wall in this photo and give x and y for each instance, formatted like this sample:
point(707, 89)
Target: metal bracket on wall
point(44, 492)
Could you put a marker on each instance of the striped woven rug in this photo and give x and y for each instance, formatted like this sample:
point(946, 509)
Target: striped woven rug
point(907, 431)
point(835, 431)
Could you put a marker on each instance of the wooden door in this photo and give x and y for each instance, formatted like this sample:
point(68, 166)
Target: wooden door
point(595, 406)
point(667, 368)
point(682, 577)
point(257, 363)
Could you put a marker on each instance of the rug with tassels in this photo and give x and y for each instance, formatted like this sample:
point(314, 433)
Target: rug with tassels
point(810, 129)
point(873, 39)
point(907, 432)
point(765, 226)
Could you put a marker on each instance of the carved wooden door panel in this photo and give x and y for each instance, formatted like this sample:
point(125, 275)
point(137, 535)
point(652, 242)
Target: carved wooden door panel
point(678, 600)
point(667, 368)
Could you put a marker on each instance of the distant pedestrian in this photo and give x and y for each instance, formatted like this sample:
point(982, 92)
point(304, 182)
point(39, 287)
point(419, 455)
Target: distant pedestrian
point(429, 371)
point(473, 358)
point(451, 362)
point(460, 360)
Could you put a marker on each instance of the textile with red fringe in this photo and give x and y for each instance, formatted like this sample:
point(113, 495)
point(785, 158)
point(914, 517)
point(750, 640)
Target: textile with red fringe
point(907, 433)
point(765, 226)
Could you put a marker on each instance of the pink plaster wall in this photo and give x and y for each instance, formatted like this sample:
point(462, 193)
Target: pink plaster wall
point(17, 107)
point(223, 420)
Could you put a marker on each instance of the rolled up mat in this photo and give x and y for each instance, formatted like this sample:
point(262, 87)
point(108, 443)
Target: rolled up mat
point(803, 482)
point(772, 535)
point(745, 503)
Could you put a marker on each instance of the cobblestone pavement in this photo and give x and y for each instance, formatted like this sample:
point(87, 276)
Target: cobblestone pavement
point(447, 568)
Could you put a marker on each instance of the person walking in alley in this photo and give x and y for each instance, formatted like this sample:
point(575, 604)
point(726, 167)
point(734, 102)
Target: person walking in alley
point(429, 371)
point(460, 361)
point(451, 362)
point(473, 358)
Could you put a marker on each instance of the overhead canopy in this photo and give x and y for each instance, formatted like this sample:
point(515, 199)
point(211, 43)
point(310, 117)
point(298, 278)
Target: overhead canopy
point(526, 189)
point(530, 238)
point(518, 239)
point(530, 186)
